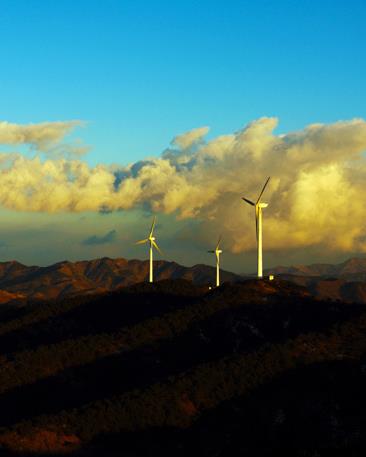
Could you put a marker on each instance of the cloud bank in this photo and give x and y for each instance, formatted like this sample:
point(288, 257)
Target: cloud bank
point(315, 195)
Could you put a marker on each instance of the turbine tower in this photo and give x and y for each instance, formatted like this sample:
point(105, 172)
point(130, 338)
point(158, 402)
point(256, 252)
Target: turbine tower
point(217, 251)
point(151, 240)
point(258, 224)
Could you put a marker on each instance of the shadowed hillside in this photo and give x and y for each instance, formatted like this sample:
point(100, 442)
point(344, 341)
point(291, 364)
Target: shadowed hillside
point(172, 368)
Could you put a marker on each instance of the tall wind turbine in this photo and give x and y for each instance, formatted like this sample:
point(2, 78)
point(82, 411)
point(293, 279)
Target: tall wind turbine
point(151, 240)
point(258, 224)
point(217, 251)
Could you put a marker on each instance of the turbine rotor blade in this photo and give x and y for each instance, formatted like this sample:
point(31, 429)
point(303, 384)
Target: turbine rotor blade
point(218, 243)
point(248, 201)
point(156, 246)
point(152, 226)
point(256, 221)
point(265, 185)
point(142, 241)
point(211, 252)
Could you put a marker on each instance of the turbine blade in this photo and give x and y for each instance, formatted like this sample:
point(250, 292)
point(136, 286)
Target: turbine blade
point(248, 201)
point(218, 243)
point(142, 241)
point(256, 222)
point(156, 246)
point(152, 226)
point(265, 185)
point(211, 252)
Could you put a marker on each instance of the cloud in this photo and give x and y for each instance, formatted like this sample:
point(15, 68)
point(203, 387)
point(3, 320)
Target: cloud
point(315, 195)
point(109, 237)
point(41, 136)
point(188, 139)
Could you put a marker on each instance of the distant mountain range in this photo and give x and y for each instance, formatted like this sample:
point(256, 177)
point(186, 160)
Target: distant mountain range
point(20, 283)
point(353, 269)
point(345, 281)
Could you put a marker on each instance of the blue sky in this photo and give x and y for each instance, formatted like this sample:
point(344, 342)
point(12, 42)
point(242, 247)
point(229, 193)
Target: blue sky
point(141, 72)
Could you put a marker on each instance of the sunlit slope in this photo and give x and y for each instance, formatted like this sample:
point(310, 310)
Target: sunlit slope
point(65, 279)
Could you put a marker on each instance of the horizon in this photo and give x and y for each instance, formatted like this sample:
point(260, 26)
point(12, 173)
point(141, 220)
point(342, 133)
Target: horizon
point(213, 266)
point(179, 111)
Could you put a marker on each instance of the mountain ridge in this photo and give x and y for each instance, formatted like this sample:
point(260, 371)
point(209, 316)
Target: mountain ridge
point(67, 278)
point(20, 283)
point(353, 268)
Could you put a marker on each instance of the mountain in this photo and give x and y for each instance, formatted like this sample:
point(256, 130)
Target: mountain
point(353, 269)
point(65, 278)
point(170, 368)
point(20, 283)
point(345, 281)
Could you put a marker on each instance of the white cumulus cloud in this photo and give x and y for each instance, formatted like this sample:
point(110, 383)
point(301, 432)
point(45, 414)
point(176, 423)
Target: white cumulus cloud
point(315, 195)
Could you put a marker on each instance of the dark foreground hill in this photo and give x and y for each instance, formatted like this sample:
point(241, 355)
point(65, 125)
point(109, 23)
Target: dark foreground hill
point(19, 283)
point(172, 369)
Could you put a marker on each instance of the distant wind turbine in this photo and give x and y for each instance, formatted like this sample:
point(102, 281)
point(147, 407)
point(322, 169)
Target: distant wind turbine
point(151, 240)
point(217, 251)
point(258, 224)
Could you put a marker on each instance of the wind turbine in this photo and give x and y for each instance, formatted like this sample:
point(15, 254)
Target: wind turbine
point(217, 251)
point(258, 225)
point(151, 240)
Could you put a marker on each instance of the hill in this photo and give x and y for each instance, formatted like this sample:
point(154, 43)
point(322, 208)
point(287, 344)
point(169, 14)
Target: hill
point(173, 369)
point(65, 279)
point(345, 281)
point(20, 284)
point(353, 269)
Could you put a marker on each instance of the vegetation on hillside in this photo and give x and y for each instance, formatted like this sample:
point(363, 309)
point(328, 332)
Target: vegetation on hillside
point(173, 360)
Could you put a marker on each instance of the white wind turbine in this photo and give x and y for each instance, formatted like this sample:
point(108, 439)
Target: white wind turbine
point(151, 240)
point(217, 251)
point(258, 224)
